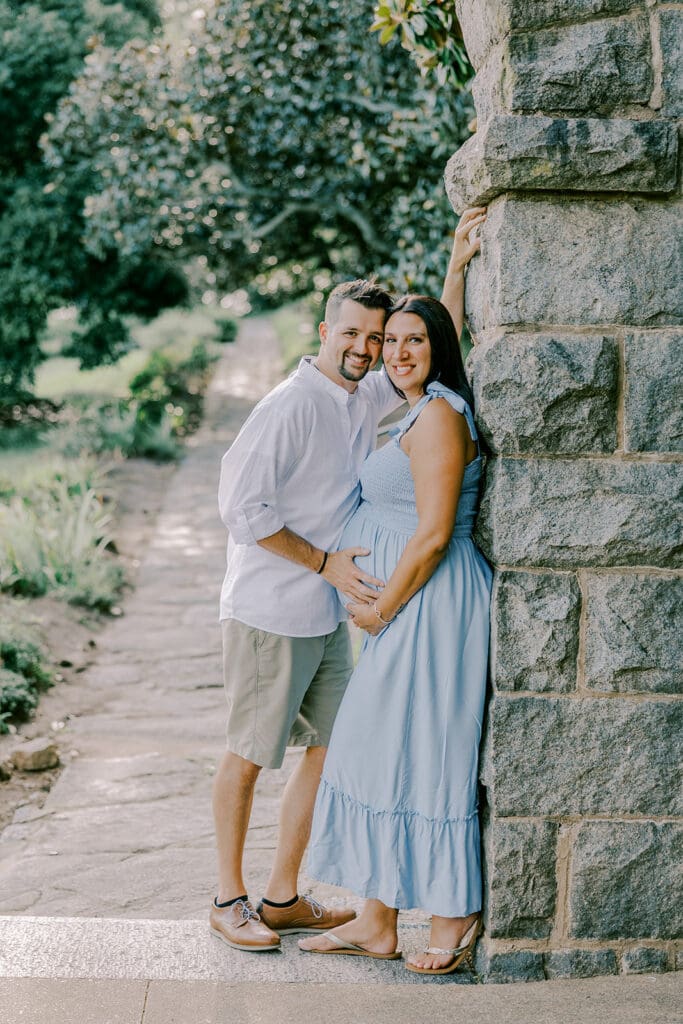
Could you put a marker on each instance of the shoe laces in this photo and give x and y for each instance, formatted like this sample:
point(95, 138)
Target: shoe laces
point(246, 911)
point(317, 908)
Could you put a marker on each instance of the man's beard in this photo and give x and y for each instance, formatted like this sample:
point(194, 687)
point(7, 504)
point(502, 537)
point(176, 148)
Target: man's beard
point(355, 374)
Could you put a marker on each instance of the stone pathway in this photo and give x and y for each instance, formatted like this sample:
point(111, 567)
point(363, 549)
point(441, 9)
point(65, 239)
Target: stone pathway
point(127, 830)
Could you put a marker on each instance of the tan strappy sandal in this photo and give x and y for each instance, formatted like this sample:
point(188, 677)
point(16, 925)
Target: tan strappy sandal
point(463, 953)
point(350, 949)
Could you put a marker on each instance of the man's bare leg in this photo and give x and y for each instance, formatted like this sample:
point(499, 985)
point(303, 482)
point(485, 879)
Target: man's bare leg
point(296, 815)
point(233, 795)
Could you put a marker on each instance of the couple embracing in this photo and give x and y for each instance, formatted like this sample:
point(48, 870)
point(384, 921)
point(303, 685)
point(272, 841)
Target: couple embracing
point(323, 526)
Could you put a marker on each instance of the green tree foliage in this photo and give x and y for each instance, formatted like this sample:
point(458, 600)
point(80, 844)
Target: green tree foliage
point(430, 31)
point(42, 260)
point(281, 143)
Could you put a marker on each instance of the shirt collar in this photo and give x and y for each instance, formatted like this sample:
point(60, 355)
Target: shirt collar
point(316, 378)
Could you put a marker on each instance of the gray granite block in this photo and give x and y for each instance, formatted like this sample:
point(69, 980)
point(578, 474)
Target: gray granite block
point(634, 640)
point(558, 756)
point(569, 514)
point(645, 960)
point(586, 262)
point(572, 155)
point(546, 393)
point(521, 885)
point(535, 631)
point(653, 413)
point(580, 963)
point(626, 881)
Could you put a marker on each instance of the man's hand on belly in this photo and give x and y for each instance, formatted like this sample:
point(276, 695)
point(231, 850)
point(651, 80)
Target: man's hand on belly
point(343, 573)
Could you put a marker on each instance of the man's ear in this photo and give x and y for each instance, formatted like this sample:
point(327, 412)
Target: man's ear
point(322, 331)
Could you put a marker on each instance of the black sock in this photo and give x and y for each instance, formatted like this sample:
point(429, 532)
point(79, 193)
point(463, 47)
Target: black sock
point(229, 903)
point(289, 903)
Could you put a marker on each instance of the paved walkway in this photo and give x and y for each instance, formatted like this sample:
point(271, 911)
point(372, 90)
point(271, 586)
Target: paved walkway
point(104, 890)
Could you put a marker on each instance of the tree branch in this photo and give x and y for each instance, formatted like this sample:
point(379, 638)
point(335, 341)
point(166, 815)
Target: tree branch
point(348, 213)
point(289, 211)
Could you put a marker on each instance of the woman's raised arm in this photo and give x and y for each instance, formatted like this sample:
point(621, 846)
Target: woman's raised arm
point(466, 243)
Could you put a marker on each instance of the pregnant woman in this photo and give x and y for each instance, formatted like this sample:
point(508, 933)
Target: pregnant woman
point(396, 816)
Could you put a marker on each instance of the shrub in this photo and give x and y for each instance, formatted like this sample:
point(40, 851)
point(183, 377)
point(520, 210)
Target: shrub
point(107, 426)
point(174, 388)
point(431, 33)
point(17, 698)
point(20, 648)
point(227, 330)
point(97, 427)
point(25, 420)
point(23, 673)
point(95, 583)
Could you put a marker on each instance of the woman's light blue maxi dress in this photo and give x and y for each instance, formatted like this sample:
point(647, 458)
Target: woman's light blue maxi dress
point(396, 814)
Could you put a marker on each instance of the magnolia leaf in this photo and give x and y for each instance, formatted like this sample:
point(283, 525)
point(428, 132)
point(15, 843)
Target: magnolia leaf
point(387, 34)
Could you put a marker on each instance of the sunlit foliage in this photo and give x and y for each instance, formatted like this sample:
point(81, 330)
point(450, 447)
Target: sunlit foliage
point(430, 31)
point(283, 141)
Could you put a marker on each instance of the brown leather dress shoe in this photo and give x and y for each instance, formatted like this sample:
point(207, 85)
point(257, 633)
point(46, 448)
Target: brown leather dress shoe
point(241, 927)
point(306, 915)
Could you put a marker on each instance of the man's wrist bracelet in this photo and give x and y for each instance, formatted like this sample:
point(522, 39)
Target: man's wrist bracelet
point(322, 564)
point(385, 622)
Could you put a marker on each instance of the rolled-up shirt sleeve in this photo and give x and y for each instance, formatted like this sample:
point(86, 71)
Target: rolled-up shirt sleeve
point(252, 471)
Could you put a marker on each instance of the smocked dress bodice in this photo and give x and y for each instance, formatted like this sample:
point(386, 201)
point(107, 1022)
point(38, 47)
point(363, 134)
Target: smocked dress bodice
point(387, 488)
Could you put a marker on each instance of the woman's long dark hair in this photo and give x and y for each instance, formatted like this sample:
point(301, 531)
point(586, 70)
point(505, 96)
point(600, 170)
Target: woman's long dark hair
point(446, 363)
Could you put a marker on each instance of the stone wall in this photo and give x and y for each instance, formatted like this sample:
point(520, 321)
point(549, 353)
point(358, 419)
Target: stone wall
point(574, 306)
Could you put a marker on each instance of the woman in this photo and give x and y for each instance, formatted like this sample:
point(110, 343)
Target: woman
point(396, 815)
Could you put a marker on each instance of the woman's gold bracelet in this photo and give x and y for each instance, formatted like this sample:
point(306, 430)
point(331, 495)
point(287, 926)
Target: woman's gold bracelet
point(379, 616)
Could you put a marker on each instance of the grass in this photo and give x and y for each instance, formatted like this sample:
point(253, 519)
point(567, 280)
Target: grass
point(55, 514)
point(13, 461)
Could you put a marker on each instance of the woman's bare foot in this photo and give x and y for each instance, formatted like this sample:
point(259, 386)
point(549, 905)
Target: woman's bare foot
point(372, 930)
point(446, 933)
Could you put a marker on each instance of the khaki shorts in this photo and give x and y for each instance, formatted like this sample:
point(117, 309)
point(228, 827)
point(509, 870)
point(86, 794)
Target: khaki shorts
point(282, 691)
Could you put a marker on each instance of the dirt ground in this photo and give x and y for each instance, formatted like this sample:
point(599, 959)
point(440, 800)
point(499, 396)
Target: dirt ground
point(70, 633)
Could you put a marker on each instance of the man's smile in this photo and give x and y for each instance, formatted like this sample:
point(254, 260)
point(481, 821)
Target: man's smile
point(355, 360)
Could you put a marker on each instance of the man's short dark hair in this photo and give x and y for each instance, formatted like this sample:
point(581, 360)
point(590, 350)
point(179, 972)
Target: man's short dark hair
point(365, 293)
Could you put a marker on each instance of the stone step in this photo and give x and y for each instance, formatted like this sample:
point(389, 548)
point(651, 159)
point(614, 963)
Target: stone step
point(635, 1000)
point(122, 971)
point(134, 949)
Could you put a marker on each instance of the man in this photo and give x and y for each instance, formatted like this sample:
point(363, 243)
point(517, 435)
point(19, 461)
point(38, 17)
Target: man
point(288, 485)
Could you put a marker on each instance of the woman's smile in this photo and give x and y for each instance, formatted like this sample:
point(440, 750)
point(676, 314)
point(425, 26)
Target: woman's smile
point(407, 353)
point(401, 369)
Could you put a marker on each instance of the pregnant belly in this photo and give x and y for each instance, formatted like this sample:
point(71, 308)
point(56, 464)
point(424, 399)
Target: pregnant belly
point(385, 545)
